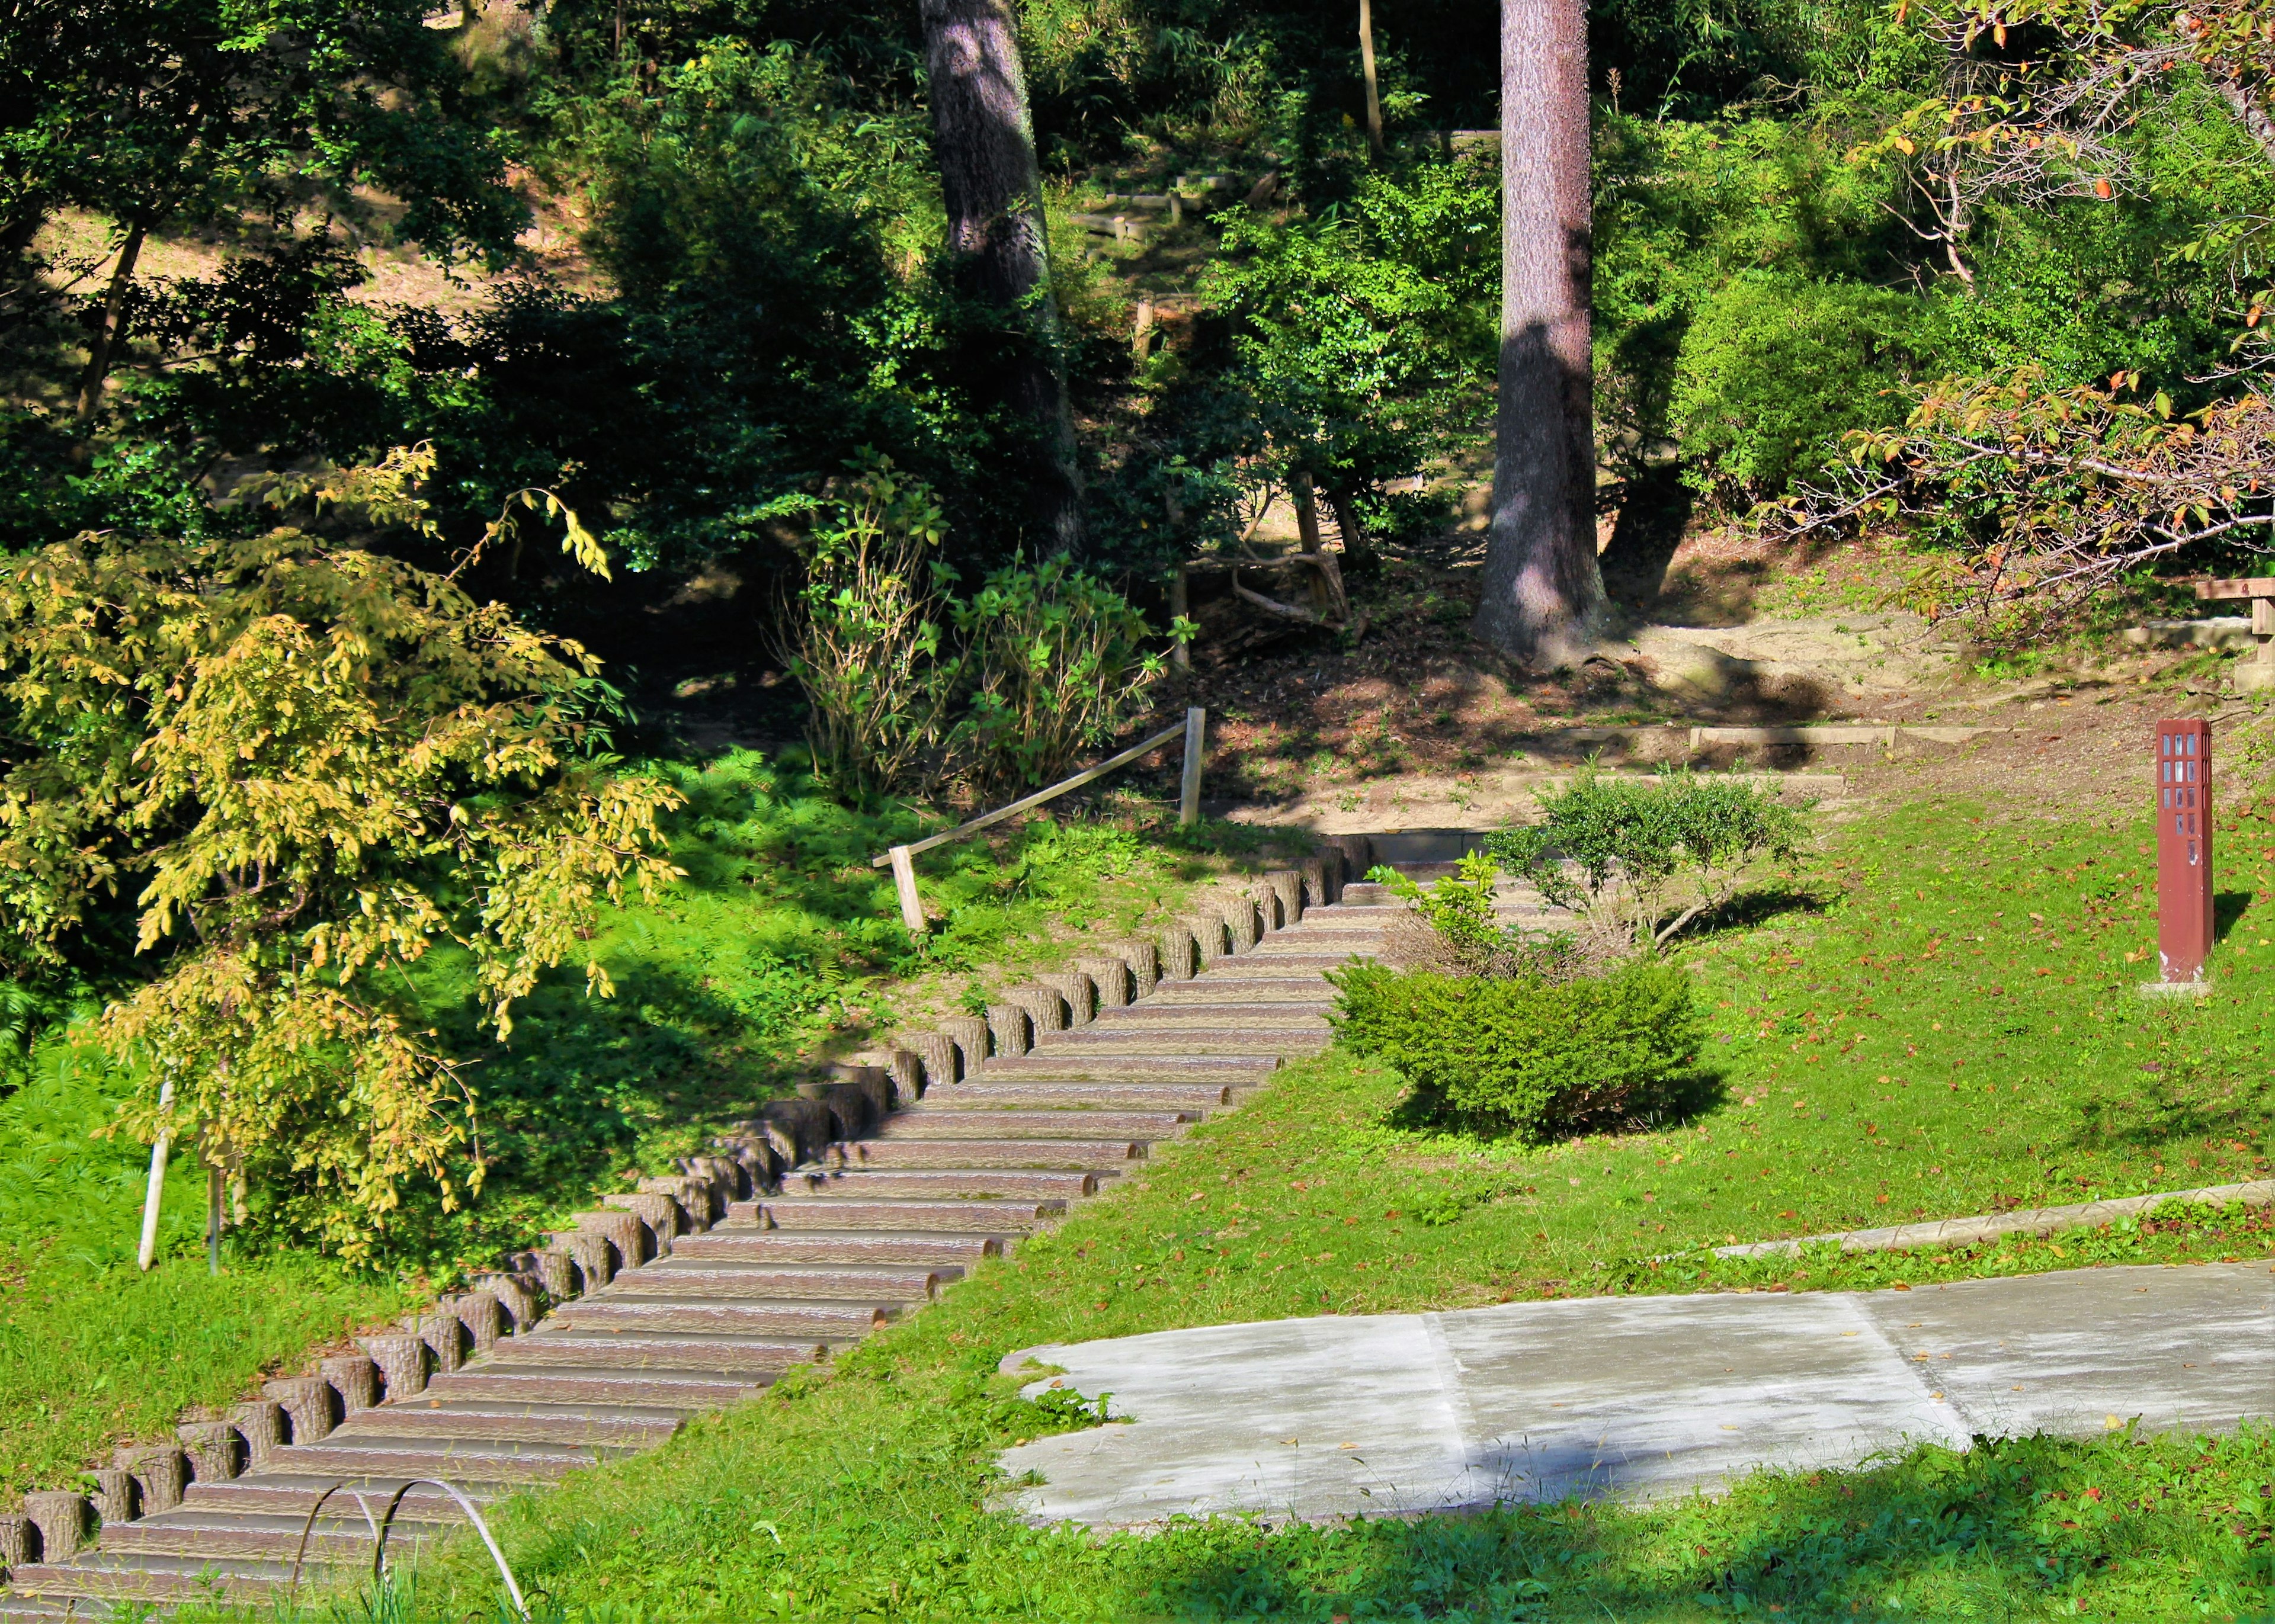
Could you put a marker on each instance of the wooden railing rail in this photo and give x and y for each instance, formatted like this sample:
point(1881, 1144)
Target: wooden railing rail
point(902, 859)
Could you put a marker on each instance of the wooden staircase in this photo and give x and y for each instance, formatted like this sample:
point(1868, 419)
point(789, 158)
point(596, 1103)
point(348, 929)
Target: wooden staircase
point(831, 1216)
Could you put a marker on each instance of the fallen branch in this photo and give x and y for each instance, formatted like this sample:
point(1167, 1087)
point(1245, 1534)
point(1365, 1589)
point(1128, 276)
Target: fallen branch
point(1286, 611)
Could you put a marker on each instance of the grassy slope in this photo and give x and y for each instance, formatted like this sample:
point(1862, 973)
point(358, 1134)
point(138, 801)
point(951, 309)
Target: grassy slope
point(781, 941)
point(862, 1494)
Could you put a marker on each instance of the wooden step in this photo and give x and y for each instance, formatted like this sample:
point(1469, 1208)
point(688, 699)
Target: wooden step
point(839, 1321)
point(897, 1153)
point(556, 1349)
point(508, 1463)
point(933, 1121)
point(1077, 1096)
point(1059, 1067)
point(970, 1183)
point(630, 1389)
point(264, 1539)
point(679, 1277)
point(1228, 994)
point(1292, 1016)
point(858, 1246)
point(157, 1580)
point(425, 1421)
point(794, 1211)
point(1205, 1041)
point(293, 1497)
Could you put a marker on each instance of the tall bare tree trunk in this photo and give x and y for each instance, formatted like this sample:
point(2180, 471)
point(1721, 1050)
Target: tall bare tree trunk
point(1367, 66)
point(110, 329)
point(984, 136)
point(1544, 596)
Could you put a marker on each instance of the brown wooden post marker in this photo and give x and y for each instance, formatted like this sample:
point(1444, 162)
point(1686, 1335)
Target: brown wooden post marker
point(2184, 917)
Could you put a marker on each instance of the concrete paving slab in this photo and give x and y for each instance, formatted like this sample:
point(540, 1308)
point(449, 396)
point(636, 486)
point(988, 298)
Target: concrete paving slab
point(1637, 1398)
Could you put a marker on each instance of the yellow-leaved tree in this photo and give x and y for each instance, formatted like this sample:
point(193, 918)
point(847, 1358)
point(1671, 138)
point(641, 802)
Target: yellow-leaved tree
point(302, 763)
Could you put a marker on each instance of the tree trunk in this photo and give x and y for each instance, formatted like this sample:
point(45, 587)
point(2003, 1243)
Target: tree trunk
point(1359, 551)
point(984, 138)
point(110, 331)
point(1367, 66)
point(1544, 596)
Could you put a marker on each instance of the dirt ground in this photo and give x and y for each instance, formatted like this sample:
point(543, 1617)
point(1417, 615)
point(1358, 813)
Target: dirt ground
point(1417, 725)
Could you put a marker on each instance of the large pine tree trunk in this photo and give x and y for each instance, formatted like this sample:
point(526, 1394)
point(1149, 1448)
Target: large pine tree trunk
point(1544, 596)
point(984, 136)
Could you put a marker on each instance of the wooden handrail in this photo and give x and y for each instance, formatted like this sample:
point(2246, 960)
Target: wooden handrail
point(900, 859)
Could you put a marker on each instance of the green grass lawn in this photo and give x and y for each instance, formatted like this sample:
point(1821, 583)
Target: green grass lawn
point(781, 943)
point(1936, 1072)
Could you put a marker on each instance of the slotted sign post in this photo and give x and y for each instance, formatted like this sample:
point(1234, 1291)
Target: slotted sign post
point(2184, 918)
point(2258, 672)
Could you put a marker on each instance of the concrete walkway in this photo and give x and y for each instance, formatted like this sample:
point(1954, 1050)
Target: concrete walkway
point(1635, 1397)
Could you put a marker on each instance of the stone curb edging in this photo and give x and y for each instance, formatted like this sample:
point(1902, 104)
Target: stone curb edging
point(2042, 1220)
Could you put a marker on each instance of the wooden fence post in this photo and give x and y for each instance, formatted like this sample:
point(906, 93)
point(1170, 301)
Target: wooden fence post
point(904, 882)
point(1189, 797)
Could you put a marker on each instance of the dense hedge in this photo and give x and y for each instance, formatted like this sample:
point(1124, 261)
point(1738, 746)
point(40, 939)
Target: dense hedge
point(1525, 1057)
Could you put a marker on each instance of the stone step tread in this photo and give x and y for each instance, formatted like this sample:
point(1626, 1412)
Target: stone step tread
point(963, 1155)
point(933, 1121)
point(555, 1349)
point(679, 1277)
point(801, 1214)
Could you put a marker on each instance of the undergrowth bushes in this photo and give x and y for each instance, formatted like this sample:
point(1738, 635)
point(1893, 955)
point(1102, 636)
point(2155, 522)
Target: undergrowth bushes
point(910, 687)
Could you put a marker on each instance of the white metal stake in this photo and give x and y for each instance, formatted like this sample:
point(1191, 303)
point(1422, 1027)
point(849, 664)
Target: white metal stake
point(150, 1254)
point(904, 882)
point(1189, 798)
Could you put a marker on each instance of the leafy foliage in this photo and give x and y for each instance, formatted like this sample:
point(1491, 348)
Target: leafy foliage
point(1452, 928)
point(1643, 861)
point(1775, 367)
point(863, 637)
point(2046, 496)
point(1058, 666)
point(1526, 1057)
point(314, 761)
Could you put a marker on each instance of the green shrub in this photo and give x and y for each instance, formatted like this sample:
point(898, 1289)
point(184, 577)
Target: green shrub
point(1525, 1057)
point(1060, 663)
point(1776, 368)
point(1641, 861)
point(1452, 928)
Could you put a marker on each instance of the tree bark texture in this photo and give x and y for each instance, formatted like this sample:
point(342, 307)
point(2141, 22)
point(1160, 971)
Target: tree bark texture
point(1366, 68)
point(983, 135)
point(110, 329)
point(1544, 602)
